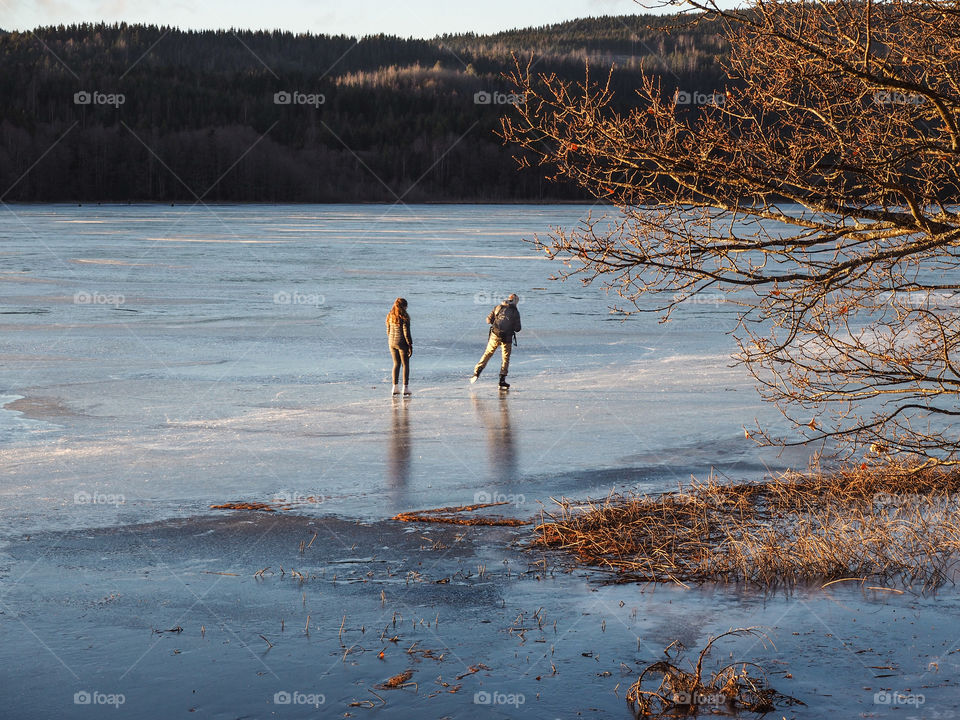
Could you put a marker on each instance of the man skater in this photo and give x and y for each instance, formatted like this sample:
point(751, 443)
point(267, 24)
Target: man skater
point(504, 321)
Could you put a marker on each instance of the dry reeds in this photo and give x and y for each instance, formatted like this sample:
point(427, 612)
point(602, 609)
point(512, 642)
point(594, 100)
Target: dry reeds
point(401, 680)
point(451, 516)
point(736, 687)
point(278, 503)
point(262, 507)
point(887, 522)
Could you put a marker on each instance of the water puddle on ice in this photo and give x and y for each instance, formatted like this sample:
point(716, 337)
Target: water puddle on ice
point(15, 426)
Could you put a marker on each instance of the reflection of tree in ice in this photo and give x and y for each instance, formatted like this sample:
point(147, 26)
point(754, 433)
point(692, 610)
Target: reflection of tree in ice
point(500, 441)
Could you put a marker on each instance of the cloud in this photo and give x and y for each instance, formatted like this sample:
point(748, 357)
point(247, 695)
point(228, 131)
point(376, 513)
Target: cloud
point(55, 8)
point(113, 9)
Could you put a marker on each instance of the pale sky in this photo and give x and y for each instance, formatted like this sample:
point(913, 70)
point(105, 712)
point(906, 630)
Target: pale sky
point(412, 18)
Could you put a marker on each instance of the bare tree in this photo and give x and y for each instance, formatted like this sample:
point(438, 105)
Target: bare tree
point(816, 191)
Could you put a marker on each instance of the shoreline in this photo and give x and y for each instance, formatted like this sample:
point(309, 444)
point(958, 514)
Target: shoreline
point(294, 203)
point(145, 611)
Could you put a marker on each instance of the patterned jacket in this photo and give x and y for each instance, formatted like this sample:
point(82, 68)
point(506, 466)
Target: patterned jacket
point(398, 334)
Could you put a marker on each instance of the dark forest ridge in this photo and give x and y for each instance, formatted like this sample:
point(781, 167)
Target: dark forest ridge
point(131, 112)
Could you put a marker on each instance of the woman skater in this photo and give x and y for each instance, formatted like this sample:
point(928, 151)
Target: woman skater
point(401, 343)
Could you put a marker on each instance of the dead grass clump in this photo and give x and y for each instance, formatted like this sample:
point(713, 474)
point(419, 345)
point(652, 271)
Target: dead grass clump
point(734, 688)
point(262, 507)
point(882, 522)
point(451, 516)
point(279, 503)
point(396, 682)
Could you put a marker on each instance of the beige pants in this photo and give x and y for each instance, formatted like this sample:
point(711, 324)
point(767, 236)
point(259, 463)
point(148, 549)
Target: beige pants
point(492, 345)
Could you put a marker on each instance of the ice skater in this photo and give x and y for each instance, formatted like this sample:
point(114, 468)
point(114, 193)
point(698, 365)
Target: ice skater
point(504, 321)
point(401, 343)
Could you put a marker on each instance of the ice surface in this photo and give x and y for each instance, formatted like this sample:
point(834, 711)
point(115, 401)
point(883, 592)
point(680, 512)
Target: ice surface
point(160, 359)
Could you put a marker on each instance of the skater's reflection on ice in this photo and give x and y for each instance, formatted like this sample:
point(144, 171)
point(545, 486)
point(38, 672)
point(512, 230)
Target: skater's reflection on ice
point(399, 460)
point(500, 440)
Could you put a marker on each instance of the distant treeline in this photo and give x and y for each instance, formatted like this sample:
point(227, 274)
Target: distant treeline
point(128, 112)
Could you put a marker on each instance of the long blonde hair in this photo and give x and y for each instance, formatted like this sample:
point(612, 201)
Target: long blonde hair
point(398, 312)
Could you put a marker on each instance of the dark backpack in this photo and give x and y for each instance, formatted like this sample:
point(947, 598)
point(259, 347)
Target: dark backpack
point(504, 324)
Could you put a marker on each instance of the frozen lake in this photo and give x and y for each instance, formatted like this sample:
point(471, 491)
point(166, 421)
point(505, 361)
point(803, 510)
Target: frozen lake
point(160, 359)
